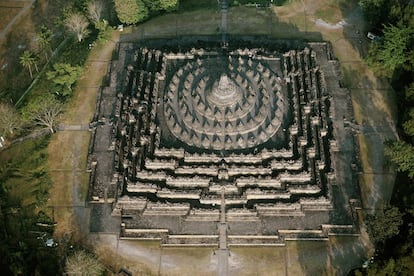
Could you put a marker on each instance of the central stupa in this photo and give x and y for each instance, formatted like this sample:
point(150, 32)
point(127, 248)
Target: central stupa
point(224, 93)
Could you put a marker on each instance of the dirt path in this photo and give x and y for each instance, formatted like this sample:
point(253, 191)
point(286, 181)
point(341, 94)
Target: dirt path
point(18, 16)
point(68, 148)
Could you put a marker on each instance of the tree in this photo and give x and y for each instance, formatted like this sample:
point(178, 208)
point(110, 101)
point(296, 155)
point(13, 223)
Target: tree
point(392, 52)
point(384, 225)
point(63, 77)
point(44, 39)
point(385, 268)
point(131, 11)
point(27, 60)
point(161, 5)
point(10, 120)
point(402, 154)
point(375, 11)
point(104, 30)
point(83, 263)
point(409, 92)
point(43, 111)
point(169, 5)
point(95, 9)
point(77, 24)
point(409, 124)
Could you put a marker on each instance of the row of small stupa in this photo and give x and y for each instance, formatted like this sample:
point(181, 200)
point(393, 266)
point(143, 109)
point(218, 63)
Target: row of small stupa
point(232, 110)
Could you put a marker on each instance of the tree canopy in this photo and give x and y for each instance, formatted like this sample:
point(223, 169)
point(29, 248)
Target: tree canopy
point(375, 11)
point(77, 24)
point(134, 11)
point(384, 225)
point(44, 40)
point(64, 77)
point(131, 11)
point(27, 60)
point(9, 120)
point(402, 153)
point(393, 52)
point(161, 5)
point(393, 57)
point(43, 111)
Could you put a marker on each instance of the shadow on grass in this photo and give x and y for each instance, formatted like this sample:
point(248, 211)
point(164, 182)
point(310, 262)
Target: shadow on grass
point(241, 21)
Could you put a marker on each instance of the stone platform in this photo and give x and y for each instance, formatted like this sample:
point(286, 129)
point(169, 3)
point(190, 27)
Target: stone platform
point(196, 145)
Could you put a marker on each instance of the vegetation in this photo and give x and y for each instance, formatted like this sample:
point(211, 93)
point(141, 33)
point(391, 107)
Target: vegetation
point(393, 57)
point(28, 60)
point(63, 77)
point(134, 11)
point(95, 12)
point(402, 153)
point(83, 263)
point(10, 120)
point(44, 37)
point(77, 24)
point(43, 111)
point(25, 222)
point(131, 11)
point(391, 217)
point(23, 193)
point(393, 53)
point(161, 5)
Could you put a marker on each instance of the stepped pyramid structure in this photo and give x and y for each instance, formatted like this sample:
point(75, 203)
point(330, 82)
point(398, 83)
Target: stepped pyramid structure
point(252, 138)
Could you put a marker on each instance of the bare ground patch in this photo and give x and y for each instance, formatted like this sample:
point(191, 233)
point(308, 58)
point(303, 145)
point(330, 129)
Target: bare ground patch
point(257, 261)
point(8, 10)
point(307, 258)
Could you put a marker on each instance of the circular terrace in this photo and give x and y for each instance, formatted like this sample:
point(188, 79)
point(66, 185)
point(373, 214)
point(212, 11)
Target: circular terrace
point(229, 104)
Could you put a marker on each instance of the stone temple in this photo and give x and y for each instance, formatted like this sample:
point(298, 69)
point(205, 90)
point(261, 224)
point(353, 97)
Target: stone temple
point(251, 144)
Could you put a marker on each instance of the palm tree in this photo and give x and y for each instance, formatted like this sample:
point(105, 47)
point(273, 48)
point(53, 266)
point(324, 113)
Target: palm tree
point(27, 60)
point(45, 38)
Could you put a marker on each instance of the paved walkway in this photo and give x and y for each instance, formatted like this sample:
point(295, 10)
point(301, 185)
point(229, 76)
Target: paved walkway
point(223, 8)
point(77, 127)
point(223, 251)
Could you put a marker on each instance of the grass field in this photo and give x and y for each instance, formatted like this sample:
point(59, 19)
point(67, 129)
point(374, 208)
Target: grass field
point(332, 11)
point(24, 173)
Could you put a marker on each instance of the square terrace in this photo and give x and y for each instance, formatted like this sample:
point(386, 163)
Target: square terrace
point(250, 141)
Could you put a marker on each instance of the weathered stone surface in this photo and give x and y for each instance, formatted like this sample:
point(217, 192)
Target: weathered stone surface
point(245, 136)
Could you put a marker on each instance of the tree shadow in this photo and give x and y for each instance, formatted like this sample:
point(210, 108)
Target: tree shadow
point(241, 21)
point(355, 28)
